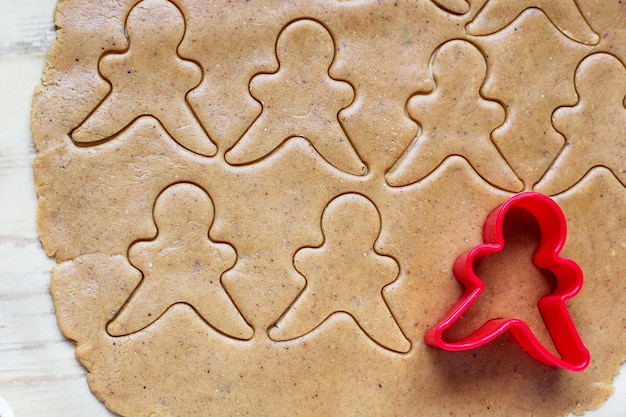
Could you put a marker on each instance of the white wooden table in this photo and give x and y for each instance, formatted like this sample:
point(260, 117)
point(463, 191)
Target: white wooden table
point(38, 373)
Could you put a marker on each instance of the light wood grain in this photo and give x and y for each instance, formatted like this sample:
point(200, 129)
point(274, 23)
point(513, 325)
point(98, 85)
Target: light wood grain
point(38, 373)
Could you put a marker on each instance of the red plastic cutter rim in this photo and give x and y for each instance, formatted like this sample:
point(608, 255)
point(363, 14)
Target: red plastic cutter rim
point(569, 281)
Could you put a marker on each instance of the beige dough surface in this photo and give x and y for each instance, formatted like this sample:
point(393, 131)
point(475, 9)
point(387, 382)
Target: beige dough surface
point(255, 207)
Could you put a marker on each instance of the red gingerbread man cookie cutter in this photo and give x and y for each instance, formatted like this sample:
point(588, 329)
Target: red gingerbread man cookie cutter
point(574, 355)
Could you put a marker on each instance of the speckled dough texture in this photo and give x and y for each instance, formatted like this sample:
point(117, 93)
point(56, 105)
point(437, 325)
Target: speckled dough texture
point(255, 207)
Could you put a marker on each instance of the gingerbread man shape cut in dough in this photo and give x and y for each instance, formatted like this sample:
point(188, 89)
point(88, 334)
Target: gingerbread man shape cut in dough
point(564, 14)
point(452, 127)
point(149, 78)
point(539, 84)
point(302, 100)
point(181, 265)
point(595, 128)
point(345, 274)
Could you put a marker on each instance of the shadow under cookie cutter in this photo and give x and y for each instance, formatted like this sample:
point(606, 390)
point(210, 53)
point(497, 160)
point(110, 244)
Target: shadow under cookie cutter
point(569, 281)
